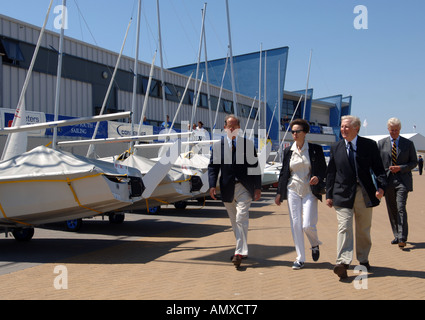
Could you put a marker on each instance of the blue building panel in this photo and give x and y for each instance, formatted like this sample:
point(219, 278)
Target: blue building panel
point(247, 69)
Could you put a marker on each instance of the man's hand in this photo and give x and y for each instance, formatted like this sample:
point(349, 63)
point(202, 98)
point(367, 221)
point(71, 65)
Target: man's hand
point(213, 193)
point(394, 169)
point(329, 203)
point(380, 193)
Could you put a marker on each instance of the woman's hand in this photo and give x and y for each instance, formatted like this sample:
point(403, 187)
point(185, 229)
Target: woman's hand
point(277, 199)
point(314, 180)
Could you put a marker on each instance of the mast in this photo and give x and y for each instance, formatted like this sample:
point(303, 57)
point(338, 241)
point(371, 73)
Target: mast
point(90, 151)
point(279, 106)
point(206, 74)
point(136, 68)
point(231, 60)
point(59, 75)
point(306, 89)
point(148, 89)
point(221, 91)
point(265, 92)
point(17, 143)
point(164, 109)
point(197, 67)
point(259, 88)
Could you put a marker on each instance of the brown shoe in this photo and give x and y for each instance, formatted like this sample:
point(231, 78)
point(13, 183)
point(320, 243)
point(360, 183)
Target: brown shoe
point(237, 259)
point(401, 244)
point(341, 270)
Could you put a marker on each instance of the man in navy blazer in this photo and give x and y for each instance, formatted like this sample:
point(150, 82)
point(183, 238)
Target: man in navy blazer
point(400, 181)
point(355, 183)
point(234, 159)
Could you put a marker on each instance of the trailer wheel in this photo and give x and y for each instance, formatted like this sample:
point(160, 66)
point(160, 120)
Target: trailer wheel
point(154, 210)
point(180, 205)
point(73, 225)
point(116, 218)
point(23, 234)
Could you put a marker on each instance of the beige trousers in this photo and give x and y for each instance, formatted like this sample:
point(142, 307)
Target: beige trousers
point(238, 212)
point(363, 224)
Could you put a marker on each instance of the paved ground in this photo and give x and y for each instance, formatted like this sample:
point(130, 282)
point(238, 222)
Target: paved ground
point(183, 255)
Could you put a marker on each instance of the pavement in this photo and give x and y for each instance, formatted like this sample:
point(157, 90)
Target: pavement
point(185, 255)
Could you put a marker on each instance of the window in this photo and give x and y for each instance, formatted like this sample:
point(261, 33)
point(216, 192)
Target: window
point(288, 108)
point(228, 106)
point(11, 51)
point(171, 93)
point(203, 100)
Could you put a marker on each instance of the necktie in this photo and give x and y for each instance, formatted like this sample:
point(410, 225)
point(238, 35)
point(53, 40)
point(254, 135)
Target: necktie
point(234, 151)
point(394, 154)
point(351, 155)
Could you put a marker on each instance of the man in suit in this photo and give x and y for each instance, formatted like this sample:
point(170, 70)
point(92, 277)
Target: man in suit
point(354, 191)
point(234, 158)
point(399, 158)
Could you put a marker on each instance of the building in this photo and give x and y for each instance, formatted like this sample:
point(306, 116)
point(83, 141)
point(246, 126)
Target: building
point(324, 113)
point(86, 75)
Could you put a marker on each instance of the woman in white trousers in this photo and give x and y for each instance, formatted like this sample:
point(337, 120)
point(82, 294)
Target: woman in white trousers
point(301, 183)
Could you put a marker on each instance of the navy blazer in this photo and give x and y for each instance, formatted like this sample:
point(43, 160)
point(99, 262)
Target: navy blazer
point(246, 169)
point(318, 169)
point(341, 180)
point(406, 159)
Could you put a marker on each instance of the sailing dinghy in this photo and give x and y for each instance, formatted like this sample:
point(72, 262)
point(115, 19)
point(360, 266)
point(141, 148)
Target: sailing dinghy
point(46, 185)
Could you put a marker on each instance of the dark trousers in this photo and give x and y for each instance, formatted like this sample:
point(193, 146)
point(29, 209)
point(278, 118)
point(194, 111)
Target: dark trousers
point(396, 199)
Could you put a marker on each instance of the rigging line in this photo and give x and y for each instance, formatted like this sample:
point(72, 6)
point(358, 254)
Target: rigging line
point(223, 46)
point(85, 22)
point(153, 35)
point(183, 28)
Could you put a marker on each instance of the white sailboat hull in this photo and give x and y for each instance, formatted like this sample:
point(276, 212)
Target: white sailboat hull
point(181, 182)
point(42, 195)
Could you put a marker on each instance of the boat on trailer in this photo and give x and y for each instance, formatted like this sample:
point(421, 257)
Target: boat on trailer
point(45, 185)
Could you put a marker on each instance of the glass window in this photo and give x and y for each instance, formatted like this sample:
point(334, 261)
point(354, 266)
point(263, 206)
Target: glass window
point(171, 93)
point(228, 106)
point(203, 100)
point(11, 51)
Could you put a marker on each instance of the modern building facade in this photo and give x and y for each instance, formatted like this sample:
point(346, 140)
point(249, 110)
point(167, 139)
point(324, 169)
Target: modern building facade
point(267, 78)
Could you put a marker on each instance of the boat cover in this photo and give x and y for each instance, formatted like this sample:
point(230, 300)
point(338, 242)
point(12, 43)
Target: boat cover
point(46, 162)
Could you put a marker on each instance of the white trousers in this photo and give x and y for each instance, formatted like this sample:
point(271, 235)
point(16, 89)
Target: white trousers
point(238, 212)
point(303, 216)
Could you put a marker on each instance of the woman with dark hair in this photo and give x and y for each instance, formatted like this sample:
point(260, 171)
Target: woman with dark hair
point(301, 183)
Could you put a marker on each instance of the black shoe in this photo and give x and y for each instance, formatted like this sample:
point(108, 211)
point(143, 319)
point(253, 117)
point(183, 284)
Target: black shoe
point(395, 241)
point(341, 270)
point(243, 257)
point(237, 259)
point(315, 253)
point(402, 244)
point(365, 264)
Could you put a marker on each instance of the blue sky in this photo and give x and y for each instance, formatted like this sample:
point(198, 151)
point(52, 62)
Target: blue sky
point(382, 67)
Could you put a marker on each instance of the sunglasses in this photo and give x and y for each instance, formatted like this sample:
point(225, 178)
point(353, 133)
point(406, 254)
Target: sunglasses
point(297, 131)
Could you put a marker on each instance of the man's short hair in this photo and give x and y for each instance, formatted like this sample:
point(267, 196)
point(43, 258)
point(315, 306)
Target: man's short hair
point(392, 122)
point(232, 116)
point(354, 121)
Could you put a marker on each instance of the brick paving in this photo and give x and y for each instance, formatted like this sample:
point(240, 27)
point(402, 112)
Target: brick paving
point(192, 262)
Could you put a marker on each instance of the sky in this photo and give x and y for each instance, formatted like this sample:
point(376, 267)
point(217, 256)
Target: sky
point(375, 54)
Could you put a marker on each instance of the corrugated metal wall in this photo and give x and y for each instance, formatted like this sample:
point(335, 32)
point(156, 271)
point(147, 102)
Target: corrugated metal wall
point(75, 98)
